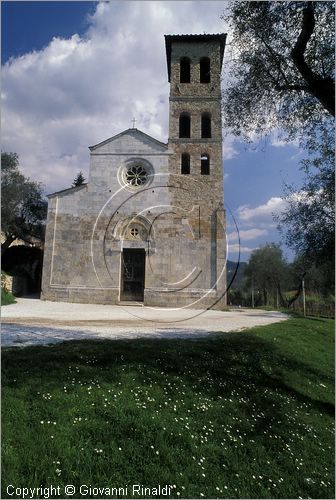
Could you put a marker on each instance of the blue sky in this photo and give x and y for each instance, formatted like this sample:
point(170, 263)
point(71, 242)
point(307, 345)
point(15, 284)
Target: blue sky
point(24, 27)
point(75, 73)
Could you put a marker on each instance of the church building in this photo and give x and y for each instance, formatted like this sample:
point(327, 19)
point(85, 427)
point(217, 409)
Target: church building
point(149, 225)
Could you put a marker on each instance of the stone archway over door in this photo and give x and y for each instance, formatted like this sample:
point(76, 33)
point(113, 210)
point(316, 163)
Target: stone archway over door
point(133, 261)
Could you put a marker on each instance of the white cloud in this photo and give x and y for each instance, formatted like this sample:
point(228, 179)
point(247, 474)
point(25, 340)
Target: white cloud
point(229, 150)
point(235, 248)
point(77, 92)
point(262, 213)
point(278, 143)
point(278, 140)
point(297, 156)
point(247, 234)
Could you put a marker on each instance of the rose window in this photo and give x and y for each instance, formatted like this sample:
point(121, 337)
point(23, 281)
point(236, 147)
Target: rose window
point(136, 175)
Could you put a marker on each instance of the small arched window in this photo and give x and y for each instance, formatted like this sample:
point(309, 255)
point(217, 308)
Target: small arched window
point(205, 70)
point(184, 70)
point(185, 163)
point(184, 125)
point(205, 164)
point(206, 126)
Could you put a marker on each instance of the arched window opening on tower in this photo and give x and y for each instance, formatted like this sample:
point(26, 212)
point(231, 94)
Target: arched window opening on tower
point(205, 70)
point(185, 164)
point(184, 70)
point(206, 126)
point(205, 164)
point(184, 126)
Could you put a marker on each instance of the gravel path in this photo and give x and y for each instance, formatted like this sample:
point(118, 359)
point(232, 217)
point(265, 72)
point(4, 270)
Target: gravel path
point(33, 321)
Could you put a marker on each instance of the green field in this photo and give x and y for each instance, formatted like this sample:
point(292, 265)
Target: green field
point(239, 415)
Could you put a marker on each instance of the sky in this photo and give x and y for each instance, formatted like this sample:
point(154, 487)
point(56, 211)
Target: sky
point(76, 73)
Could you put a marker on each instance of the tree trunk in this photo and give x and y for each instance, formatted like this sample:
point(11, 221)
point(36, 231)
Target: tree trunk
point(265, 296)
point(321, 88)
point(7, 243)
point(287, 303)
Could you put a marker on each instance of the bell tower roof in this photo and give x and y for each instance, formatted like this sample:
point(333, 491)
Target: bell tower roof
point(169, 39)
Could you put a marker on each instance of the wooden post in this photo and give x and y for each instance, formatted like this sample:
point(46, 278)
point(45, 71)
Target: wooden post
point(252, 294)
point(304, 297)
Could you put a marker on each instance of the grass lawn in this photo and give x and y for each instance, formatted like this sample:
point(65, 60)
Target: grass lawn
point(6, 297)
point(240, 415)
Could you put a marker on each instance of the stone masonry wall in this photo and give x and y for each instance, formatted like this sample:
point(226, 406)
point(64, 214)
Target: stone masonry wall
point(203, 191)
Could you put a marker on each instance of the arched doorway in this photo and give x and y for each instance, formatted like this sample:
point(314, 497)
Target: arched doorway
point(134, 234)
point(133, 274)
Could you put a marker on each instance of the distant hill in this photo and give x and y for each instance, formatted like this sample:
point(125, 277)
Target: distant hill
point(231, 269)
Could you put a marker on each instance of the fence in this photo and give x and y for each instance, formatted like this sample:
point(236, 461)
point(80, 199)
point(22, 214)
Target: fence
point(325, 309)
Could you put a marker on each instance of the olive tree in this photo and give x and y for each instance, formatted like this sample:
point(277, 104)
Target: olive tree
point(23, 206)
point(281, 73)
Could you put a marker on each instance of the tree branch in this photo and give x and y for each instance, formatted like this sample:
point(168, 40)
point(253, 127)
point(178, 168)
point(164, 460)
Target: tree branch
point(7, 243)
point(321, 88)
point(292, 87)
point(288, 302)
point(276, 56)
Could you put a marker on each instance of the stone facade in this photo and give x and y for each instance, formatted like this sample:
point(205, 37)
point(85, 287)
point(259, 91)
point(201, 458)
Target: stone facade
point(140, 229)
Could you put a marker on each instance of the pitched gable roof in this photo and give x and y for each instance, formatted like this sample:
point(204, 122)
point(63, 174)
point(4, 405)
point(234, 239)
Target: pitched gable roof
point(69, 190)
point(131, 131)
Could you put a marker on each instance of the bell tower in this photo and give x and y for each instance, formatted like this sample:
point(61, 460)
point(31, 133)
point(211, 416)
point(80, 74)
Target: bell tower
point(195, 123)
point(194, 65)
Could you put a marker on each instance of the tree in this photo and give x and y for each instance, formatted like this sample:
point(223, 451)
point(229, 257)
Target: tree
point(308, 222)
point(23, 207)
point(282, 71)
point(267, 272)
point(282, 79)
point(79, 180)
point(319, 280)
